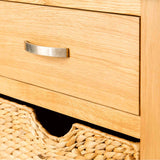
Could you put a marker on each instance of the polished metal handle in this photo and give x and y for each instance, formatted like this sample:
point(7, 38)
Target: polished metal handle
point(46, 51)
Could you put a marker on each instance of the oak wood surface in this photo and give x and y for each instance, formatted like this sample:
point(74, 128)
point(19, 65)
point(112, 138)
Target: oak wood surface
point(104, 52)
point(150, 80)
point(131, 7)
point(103, 116)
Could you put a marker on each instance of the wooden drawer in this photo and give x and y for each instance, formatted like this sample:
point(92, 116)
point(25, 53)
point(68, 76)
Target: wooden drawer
point(132, 7)
point(103, 66)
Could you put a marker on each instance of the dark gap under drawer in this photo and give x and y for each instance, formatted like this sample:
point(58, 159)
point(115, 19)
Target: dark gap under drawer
point(63, 123)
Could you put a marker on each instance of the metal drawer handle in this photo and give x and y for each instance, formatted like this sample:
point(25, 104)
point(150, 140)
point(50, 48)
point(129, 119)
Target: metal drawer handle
point(46, 51)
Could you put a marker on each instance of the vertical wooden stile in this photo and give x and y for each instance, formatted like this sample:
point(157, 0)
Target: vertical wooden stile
point(150, 80)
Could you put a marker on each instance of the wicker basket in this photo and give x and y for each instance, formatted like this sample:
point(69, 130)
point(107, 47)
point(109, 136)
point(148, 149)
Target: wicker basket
point(23, 138)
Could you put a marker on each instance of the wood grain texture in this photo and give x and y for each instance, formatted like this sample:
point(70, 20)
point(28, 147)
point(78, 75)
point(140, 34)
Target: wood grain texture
point(104, 54)
point(131, 7)
point(150, 80)
point(110, 118)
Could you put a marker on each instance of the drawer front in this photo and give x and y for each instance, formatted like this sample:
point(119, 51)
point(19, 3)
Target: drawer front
point(103, 66)
point(132, 7)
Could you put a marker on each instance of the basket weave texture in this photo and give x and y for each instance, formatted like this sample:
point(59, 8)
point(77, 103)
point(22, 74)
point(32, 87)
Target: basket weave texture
point(23, 138)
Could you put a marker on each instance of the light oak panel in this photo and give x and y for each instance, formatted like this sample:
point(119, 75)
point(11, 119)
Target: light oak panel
point(150, 80)
point(132, 7)
point(106, 117)
point(104, 52)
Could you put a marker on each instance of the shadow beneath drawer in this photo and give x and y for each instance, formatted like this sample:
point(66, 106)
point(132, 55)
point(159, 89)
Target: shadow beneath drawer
point(58, 124)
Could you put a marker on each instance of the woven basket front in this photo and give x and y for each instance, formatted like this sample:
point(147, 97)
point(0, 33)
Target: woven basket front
point(23, 138)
